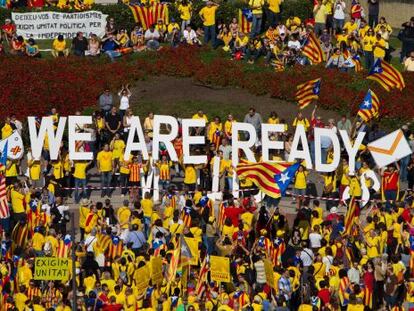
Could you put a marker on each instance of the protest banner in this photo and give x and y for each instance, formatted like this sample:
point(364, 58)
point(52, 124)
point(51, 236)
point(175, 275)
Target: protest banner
point(51, 268)
point(220, 269)
point(156, 270)
point(269, 273)
point(144, 277)
point(48, 25)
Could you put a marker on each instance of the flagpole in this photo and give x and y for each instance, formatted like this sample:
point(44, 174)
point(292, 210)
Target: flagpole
point(74, 296)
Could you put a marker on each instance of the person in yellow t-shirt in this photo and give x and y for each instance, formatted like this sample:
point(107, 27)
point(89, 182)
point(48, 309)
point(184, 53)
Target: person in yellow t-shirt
point(59, 47)
point(300, 120)
point(185, 9)
point(320, 13)
point(147, 207)
point(379, 47)
point(273, 118)
point(190, 176)
point(123, 215)
point(273, 12)
point(257, 9)
point(300, 184)
point(105, 167)
point(351, 26)
point(79, 176)
point(17, 202)
point(368, 46)
point(345, 180)
point(117, 147)
point(228, 125)
point(124, 171)
point(208, 16)
point(292, 23)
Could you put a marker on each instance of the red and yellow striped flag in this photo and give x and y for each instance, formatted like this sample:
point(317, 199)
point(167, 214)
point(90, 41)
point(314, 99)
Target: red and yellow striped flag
point(369, 108)
point(307, 92)
point(351, 213)
point(386, 75)
point(312, 49)
point(263, 176)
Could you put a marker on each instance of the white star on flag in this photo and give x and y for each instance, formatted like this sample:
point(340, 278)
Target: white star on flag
point(377, 69)
point(367, 103)
point(284, 177)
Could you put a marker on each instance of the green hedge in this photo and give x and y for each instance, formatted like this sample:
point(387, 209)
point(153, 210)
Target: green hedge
point(227, 10)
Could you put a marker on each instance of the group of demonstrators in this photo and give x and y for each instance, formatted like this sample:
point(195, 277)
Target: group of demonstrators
point(318, 259)
point(260, 32)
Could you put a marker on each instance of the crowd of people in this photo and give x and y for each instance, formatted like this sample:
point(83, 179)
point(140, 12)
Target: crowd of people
point(317, 263)
point(279, 42)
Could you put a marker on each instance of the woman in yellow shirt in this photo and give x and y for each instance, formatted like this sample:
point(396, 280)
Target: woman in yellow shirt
point(228, 126)
point(117, 147)
point(185, 10)
point(379, 47)
point(367, 45)
point(300, 185)
point(59, 47)
point(273, 118)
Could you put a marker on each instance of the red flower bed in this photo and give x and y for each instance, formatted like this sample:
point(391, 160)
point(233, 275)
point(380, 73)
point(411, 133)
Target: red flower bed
point(31, 87)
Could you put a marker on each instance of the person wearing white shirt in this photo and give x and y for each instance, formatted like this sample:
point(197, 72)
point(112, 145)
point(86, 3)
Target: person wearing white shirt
point(124, 95)
point(294, 43)
point(152, 37)
point(339, 15)
point(315, 238)
point(190, 36)
point(354, 274)
point(327, 260)
point(307, 256)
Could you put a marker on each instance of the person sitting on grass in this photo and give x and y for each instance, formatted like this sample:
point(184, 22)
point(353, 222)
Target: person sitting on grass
point(225, 38)
point(240, 45)
point(190, 36)
point(123, 38)
point(32, 50)
point(162, 29)
point(94, 46)
point(253, 50)
point(18, 46)
point(152, 38)
point(110, 46)
point(59, 47)
point(8, 30)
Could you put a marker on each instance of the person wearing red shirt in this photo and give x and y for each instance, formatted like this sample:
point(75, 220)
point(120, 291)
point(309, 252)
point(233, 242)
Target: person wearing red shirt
point(324, 293)
point(233, 213)
point(112, 305)
point(390, 183)
point(8, 29)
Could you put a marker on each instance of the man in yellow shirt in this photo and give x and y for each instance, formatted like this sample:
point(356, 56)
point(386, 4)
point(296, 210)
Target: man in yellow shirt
point(208, 16)
point(257, 9)
point(320, 13)
point(351, 26)
point(379, 47)
point(105, 167)
point(367, 45)
point(59, 47)
point(80, 179)
point(17, 201)
point(273, 12)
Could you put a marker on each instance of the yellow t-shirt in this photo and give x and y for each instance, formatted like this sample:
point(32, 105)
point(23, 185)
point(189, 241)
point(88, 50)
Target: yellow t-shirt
point(209, 15)
point(38, 241)
point(274, 5)
point(320, 14)
point(350, 27)
point(147, 207)
point(34, 169)
point(105, 161)
point(12, 171)
point(257, 5)
point(303, 122)
point(57, 169)
point(59, 45)
point(197, 116)
point(345, 178)
point(300, 180)
point(190, 175)
point(185, 12)
point(379, 51)
point(80, 169)
point(17, 201)
point(123, 214)
point(118, 149)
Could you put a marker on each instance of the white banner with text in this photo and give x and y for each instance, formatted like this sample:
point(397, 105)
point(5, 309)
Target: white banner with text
point(48, 25)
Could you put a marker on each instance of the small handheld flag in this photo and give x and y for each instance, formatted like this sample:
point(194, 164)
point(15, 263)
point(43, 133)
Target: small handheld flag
point(307, 92)
point(245, 20)
point(369, 108)
point(3, 157)
point(285, 178)
point(386, 75)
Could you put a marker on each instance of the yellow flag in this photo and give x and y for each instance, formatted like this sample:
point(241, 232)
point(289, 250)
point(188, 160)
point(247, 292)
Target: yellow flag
point(220, 269)
point(175, 259)
point(156, 270)
point(192, 244)
point(142, 281)
point(269, 273)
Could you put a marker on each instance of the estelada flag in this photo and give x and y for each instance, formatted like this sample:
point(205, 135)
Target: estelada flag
point(307, 92)
point(386, 75)
point(312, 49)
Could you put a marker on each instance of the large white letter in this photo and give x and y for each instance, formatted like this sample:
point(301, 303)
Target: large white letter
point(192, 140)
point(268, 144)
point(331, 134)
point(46, 128)
point(244, 145)
point(351, 149)
point(300, 136)
point(73, 124)
point(172, 125)
point(133, 146)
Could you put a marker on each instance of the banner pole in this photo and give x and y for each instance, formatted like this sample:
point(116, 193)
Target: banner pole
point(74, 290)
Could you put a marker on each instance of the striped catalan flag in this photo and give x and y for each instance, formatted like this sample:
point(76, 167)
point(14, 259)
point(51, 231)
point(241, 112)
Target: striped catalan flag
point(245, 20)
point(351, 213)
point(368, 295)
point(20, 235)
point(263, 175)
point(4, 204)
point(386, 75)
point(312, 49)
point(202, 278)
point(369, 108)
point(343, 289)
point(277, 251)
point(307, 92)
point(150, 15)
point(174, 263)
